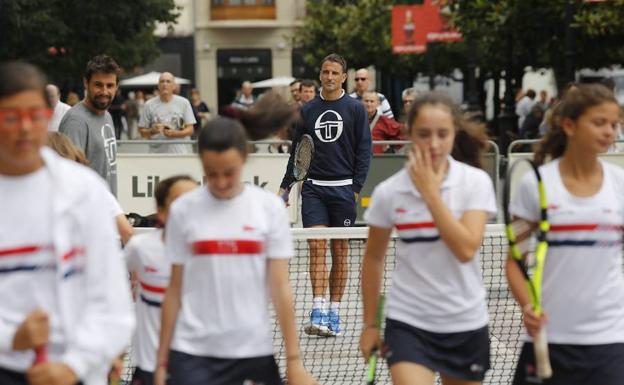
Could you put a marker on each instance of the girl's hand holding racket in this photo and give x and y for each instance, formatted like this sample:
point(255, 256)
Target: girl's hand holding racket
point(534, 323)
point(370, 342)
point(33, 332)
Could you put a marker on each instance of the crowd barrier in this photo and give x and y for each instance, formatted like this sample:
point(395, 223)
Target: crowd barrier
point(138, 173)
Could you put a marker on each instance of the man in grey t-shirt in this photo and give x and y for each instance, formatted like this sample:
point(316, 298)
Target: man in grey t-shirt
point(167, 117)
point(89, 125)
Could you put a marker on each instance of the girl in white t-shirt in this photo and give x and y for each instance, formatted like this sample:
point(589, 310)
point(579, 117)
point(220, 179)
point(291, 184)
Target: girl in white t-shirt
point(439, 205)
point(229, 244)
point(145, 257)
point(65, 308)
point(583, 285)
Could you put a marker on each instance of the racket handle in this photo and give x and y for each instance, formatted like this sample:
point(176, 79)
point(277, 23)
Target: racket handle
point(41, 354)
point(542, 359)
point(372, 368)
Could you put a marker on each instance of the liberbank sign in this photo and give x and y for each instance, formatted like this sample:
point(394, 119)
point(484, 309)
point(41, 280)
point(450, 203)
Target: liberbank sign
point(138, 175)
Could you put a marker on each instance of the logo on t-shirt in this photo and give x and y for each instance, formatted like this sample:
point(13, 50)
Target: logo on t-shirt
point(110, 144)
point(328, 126)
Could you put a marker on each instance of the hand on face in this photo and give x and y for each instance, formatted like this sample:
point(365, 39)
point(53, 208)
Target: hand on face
point(420, 169)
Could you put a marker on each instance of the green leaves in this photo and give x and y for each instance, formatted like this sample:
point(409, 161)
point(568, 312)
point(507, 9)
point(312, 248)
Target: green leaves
point(61, 36)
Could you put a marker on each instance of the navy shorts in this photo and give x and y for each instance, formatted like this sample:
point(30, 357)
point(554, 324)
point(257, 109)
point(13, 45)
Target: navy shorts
point(463, 355)
point(574, 365)
point(187, 369)
point(142, 377)
point(332, 206)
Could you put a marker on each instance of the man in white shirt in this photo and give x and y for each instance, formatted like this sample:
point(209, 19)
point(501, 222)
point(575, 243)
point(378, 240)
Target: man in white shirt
point(59, 108)
point(524, 106)
point(362, 84)
point(167, 117)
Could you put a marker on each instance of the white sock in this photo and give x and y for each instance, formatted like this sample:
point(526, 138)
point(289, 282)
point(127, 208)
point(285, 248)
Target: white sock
point(334, 306)
point(319, 303)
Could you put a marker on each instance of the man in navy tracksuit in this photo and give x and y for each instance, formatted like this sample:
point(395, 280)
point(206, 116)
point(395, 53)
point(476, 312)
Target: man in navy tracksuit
point(338, 125)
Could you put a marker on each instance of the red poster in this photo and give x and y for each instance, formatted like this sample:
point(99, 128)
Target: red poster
point(415, 25)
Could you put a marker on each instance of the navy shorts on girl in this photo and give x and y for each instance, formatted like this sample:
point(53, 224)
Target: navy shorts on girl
point(187, 369)
point(463, 355)
point(574, 365)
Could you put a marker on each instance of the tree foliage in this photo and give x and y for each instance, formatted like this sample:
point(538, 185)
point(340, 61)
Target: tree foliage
point(510, 34)
point(61, 36)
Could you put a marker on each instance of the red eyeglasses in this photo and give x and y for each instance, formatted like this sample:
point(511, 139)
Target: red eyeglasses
point(12, 117)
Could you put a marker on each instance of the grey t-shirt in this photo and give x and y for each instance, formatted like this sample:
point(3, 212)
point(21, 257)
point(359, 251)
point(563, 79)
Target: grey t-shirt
point(176, 113)
point(95, 135)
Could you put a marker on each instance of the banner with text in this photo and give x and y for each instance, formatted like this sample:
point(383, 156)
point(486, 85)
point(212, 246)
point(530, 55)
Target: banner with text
point(138, 174)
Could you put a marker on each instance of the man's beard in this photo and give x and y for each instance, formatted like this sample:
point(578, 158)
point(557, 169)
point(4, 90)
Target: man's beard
point(100, 105)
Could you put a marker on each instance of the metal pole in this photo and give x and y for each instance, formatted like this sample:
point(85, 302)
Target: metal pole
point(472, 93)
point(570, 42)
point(431, 65)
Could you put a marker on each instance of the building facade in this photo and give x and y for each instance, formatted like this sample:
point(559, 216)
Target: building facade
point(238, 40)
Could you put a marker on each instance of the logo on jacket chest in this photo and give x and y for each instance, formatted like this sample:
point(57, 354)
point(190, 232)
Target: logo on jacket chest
point(328, 126)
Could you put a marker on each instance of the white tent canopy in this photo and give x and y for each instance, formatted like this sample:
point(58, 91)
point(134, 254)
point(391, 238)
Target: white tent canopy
point(148, 80)
point(279, 81)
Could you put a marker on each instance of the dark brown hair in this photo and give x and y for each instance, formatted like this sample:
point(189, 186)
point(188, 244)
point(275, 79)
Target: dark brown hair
point(270, 114)
point(66, 148)
point(573, 104)
point(334, 57)
point(102, 64)
point(16, 77)
point(164, 187)
point(470, 136)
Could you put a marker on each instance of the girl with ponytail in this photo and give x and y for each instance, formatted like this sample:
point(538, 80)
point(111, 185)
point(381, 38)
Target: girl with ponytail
point(439, 205)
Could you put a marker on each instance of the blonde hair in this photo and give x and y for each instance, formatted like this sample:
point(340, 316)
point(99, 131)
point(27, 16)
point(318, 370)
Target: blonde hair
point(66, 148)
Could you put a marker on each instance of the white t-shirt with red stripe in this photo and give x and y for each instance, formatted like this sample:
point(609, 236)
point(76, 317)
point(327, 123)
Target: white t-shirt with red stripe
point(583, 285)
point(27, 261)
point(431, 289)
point(225, 247)
point(145, 255)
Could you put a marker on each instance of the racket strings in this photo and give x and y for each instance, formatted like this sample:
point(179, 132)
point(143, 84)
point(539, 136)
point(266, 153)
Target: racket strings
point(303, 158)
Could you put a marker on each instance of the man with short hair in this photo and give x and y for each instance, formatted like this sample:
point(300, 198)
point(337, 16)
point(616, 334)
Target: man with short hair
point(362, 84)
point(59, 108)
point(295, 86)
point(167, 117)
point(342, 155)
point(382, 127)
point(307, 90)
point(246, 99)
point(89, 124)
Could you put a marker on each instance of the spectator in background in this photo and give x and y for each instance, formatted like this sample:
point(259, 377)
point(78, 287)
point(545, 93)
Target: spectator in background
point(362, 84)
point(89, 124)
point(308, 90)
point(72, 99)
point(200, 111)
point(295, 90)
point(543, 101)
point(167, 117)
point(246, 99)
point(132, 114)
point(117, 111)
point(524, 106)
point(59, 108)
point(382, 127)
point(530, 126)
point(407, 96)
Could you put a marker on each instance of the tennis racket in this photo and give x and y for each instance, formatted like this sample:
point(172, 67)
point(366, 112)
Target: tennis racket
point(304, 152)
point(529, 253)
point(371, 373)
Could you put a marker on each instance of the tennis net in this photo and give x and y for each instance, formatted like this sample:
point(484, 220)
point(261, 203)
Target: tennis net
point(337, 361)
